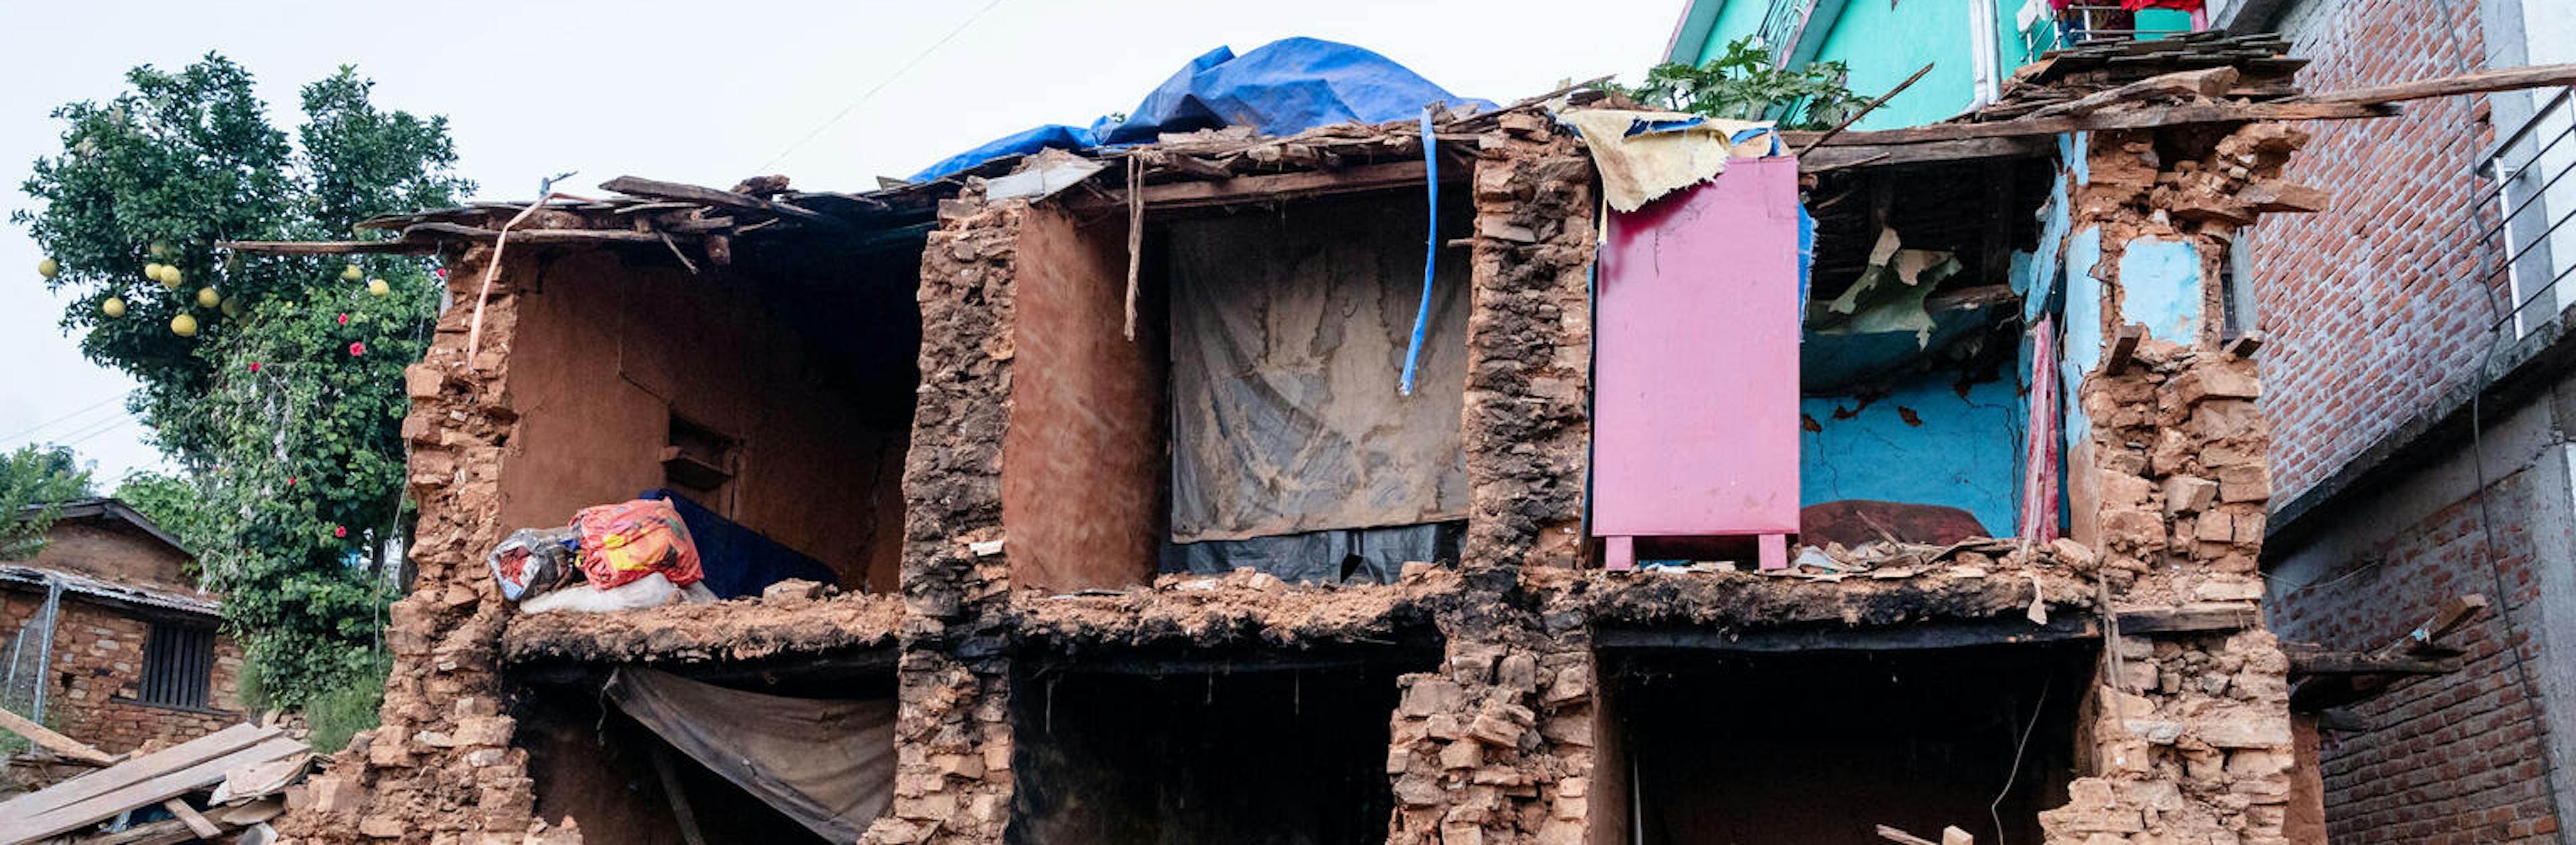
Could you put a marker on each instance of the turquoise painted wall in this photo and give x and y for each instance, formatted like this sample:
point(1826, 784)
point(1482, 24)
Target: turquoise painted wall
point(1965, 453)
point(1883, 43)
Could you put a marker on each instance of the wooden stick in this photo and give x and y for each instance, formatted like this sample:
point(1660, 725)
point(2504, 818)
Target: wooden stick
point(1135, 237)
point(1894, 835)
point(2209, 83)
point(189, 816)
point(688, 818)
point(2481, 82)
point(1864, 111)
point(61, 745)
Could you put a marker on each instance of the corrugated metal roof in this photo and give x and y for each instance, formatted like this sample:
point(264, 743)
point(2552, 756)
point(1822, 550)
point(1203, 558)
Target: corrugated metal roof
point(111, 591)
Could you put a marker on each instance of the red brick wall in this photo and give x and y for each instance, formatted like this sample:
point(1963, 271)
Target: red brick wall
point(2449, 758)
point(97, 663)
point(2368, 305)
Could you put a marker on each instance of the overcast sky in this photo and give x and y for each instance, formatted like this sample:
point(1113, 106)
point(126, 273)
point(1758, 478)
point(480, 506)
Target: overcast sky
point(702, 92)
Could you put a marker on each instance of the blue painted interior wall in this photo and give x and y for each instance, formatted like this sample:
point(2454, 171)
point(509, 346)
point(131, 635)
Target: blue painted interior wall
point(1966, 453)
point(1883, 43)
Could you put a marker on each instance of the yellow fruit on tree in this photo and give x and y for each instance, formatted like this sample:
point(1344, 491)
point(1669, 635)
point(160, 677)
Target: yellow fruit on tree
point(171, 277)
point(113, 307)
point(183, 326)
point(353, 274)
point(378, 287)
point(152, 270)
point(208, 298)
point(48, 267)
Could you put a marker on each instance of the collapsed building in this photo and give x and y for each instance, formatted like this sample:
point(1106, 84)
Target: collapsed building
point(1168, 493)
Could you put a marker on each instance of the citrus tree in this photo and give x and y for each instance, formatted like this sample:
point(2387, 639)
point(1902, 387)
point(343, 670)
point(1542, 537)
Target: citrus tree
point(274, 382)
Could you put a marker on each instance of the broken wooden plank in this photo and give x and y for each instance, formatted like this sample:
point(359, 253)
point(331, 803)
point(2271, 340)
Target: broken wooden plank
point(70, 817)
point(2123, 349)
point(2310, 659)
point(2244, 345)
point(184, 754)
point(205, 828)
point(1894, 835)
point(2453, 613)
point(62, 746)
point(681, 812)
point(2145, 118)
point(2207, 83)
point(657, 189)
point(2480, 82)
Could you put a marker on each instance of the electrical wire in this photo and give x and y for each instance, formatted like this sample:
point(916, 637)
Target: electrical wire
point(880, 86)
point(14, 436)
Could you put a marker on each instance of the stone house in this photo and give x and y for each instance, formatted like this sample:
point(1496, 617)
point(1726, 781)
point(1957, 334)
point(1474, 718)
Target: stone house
point(981, 403)
point(109, 641)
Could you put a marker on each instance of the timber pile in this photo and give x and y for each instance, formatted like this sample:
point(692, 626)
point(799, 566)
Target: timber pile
point(2261, 71)
point(212, 787)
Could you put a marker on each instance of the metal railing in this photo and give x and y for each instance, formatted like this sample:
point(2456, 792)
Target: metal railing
point(2093, 23)
point(1782, 25)
point(2533, 200)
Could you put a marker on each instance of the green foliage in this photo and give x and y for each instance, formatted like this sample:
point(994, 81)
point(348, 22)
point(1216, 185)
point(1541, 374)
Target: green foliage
point(350, 706)
point(285, 408)
point(1743, 84)
point(34, 483)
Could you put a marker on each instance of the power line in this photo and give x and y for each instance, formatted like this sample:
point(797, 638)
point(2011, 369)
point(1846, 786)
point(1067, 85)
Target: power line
point(880, 86)
point(13, 436)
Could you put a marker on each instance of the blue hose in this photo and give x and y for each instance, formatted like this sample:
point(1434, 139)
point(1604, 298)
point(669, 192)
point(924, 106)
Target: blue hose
point(1430, 253)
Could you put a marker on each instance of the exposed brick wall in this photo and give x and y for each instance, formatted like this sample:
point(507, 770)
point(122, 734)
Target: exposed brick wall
point(2449, 758)
point(97, 666)
point(2368, 305)
point(115, 550)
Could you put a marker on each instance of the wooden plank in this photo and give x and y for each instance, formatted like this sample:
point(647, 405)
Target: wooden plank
point(535, 236)
point(20, 830)
point(2481, 82)
point(62, 746)
point(656, 189)
point(100, 782)
point(1840, 155)
point(2123, 348)
point(163, 832)
point(2309, 659)
point(331, 247)
point(1928, 635)
point(2453, 613)
point(1898, 836)
point(680, 810)
point(196, 821)
point(2145, 118)
point(1283, 186)
point(2189, 619)
point(2208, 83)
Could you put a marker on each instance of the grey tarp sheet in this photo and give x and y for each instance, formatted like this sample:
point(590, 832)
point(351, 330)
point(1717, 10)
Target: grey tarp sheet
point(1364, 555)
point(828, 764)
point(1288, 334)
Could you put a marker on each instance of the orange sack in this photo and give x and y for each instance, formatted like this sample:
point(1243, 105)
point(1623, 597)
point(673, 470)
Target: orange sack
point(629, 540)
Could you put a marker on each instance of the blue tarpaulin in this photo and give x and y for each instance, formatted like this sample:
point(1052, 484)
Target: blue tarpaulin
point(1281, 88)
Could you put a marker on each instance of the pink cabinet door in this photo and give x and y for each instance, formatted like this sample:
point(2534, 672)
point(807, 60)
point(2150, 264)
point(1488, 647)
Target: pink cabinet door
point(1696, 397)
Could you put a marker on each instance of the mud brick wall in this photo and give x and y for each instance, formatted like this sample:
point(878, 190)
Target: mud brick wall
point(440, 768)
point(97, 668)
point(952, 729)
point(2459, 754)
point(2369, 306)
point(1529, 347)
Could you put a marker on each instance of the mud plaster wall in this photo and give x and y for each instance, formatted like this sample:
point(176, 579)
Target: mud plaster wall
point(608, 350)
point(1084, 460)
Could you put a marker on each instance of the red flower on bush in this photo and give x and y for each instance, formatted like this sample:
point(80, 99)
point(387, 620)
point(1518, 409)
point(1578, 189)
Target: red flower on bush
point(254, 366)
point(339, 531)
point(290, 481)
point(344, 319)
point(357, 349)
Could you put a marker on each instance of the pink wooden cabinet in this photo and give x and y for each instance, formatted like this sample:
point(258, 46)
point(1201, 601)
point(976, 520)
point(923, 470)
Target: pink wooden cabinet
point(1696, 405)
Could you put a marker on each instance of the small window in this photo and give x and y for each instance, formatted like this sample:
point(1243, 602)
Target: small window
point(699, 463)
point(178, 667)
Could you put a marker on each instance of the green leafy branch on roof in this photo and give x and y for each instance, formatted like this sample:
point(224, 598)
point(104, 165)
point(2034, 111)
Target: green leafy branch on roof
point(1744, 84)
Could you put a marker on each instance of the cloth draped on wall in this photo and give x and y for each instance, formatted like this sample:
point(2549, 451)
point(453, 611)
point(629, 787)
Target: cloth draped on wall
point(1288, 334)
point(828, 764)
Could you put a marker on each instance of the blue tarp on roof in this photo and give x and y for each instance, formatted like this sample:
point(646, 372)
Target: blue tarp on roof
point(1281, 88)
